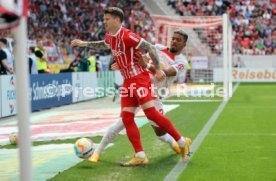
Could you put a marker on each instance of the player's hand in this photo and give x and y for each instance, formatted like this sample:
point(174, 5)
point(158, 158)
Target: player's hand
point(115, 66)
point(142, 59)
point(160, 75)
point(77, 42)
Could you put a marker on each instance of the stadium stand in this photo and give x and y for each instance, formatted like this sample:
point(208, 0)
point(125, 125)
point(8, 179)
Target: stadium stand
point(62, 21)
point(253, 22)
point(58, 22)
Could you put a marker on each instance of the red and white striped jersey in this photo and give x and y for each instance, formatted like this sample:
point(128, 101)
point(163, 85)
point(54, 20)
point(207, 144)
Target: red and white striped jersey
point(124, 45)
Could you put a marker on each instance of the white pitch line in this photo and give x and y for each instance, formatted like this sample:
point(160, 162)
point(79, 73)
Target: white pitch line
point(169, 101)
point(181, 166)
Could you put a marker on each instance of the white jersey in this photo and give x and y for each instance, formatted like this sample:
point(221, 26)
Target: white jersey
point(34, 65)
point(178, 62)
point(9, 58)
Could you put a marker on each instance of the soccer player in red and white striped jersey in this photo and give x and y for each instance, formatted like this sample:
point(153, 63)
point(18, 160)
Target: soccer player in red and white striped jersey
point(137, 84)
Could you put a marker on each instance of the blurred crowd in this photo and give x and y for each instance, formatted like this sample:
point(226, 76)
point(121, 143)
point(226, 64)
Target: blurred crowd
point(61, 20)
point(56, 22)
point(253, 21)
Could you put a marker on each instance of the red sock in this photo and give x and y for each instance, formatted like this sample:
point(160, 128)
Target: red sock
point(162, 121)
point(132, 131)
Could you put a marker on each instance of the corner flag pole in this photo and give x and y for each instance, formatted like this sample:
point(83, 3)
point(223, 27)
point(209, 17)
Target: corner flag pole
point(225, 57)
point(22, 96)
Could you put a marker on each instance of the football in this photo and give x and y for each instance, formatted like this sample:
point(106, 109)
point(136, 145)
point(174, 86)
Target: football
point(13, 138)
point(84, 147)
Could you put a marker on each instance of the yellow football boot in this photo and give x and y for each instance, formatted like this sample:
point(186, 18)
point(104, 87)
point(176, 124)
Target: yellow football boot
point(175, 147)
point(136, 161)
point(185, 151)
point(94, 158)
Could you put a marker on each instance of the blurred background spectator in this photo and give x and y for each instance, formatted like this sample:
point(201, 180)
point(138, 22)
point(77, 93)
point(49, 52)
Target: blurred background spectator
point(57, 22)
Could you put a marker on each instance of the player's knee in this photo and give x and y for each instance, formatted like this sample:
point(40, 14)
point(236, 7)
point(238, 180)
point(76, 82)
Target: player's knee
point(111, 134)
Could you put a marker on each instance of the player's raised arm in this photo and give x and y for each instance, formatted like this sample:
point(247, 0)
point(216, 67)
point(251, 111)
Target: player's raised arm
point(91, 44)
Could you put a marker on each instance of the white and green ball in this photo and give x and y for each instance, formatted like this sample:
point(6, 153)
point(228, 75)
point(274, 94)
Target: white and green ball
point(84, 147)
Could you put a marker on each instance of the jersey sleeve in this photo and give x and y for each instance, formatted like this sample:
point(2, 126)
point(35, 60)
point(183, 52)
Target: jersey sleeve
point(180, 63)
point(133, 40)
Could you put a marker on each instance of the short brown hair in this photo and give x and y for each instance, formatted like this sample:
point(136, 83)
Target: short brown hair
point(182, 33)
point(114, 11)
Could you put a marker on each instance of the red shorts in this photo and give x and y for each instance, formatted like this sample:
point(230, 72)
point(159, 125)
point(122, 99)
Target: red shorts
point(136, 91)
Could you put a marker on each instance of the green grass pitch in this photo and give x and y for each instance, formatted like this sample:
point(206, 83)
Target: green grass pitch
point(241, 146)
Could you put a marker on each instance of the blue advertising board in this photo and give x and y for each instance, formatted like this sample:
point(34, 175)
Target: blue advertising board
point(49, 90)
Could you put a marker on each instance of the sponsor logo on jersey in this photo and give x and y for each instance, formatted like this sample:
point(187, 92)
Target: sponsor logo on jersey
point(180, 67)
point(117, 53)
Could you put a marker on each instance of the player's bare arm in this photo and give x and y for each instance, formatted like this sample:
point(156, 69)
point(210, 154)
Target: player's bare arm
point(160, 75)
point(152, 52)
point(170, 71)
point(143, 60)
point(92, 44)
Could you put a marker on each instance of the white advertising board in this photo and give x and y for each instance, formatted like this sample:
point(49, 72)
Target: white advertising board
point(199, 62)
point(248, 75)
point(8, 95)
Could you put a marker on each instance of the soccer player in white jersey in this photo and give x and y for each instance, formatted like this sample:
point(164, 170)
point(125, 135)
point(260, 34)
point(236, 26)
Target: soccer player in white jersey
point(172, 62)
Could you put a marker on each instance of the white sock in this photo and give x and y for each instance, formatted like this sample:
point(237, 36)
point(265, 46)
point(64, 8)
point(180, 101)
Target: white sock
point(110, 134)
point(140, 154)
point(166, 138)
point(181, 142)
